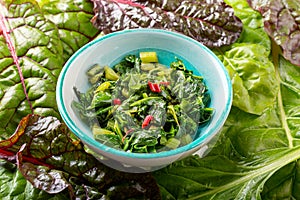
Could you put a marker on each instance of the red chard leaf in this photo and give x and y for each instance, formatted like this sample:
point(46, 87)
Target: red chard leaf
point(281, 22)
point(213, 23)
point(52, 161)
point(44, 178)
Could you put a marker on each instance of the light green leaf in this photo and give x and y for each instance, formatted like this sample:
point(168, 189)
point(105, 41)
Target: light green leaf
point(255, 85)
point(257, 153)
point(39, 49)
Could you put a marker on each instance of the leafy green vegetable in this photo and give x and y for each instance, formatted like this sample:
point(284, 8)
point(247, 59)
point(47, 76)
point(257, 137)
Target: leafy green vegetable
point(255, 85)
point(15, 186)
point(40, 47)
point(211, 22)
point(144, 110)
point(256, 155)
point(62, 163)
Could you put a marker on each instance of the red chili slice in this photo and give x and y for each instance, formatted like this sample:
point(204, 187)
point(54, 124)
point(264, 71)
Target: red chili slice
point(147, 121)
point(117, 102)
point(151, 87)
point(154, 87)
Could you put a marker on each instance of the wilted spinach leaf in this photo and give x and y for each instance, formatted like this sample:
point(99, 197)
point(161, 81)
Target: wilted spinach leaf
point(211, 22)
point(52, 161)
point(281, 21)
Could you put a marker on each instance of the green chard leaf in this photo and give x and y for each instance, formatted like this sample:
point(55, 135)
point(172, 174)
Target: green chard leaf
point(62, 163)
point(257, 153)
point(72, 19)
point(254, 82)
point(33, 51)
point(255, 157)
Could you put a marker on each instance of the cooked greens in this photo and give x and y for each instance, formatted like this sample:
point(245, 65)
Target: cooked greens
point(142, 106)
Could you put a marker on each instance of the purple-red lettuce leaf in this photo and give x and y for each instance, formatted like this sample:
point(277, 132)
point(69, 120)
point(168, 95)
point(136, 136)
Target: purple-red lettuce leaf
point(213, 23)
point(32, 53)
point(281, 21)
point(52, 161)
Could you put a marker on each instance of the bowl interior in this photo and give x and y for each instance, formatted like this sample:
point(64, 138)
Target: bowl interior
point(110, 49)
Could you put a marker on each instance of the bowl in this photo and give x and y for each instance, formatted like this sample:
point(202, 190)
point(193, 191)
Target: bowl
point(107, 50)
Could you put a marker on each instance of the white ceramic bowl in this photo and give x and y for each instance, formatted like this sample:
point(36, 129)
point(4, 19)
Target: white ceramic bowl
point(107, 50)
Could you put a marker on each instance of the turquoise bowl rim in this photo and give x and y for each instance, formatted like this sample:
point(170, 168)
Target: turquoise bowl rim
point(91, 142)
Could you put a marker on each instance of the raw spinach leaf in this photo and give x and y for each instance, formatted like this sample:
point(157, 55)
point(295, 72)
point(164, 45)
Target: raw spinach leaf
point(211, 22)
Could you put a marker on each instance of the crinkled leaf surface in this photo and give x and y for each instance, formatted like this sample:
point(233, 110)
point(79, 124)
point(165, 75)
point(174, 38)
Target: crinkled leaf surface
point(255, 85)
point(211, 22)
point(15, 186)
point(252, 33)
point(281, 20)
point(43, 37)
point(72, 19)
point(47, 157)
